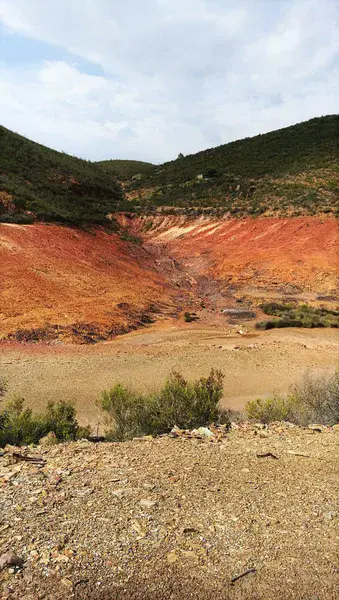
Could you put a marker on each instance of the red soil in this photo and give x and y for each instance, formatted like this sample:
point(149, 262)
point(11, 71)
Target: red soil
point(298, 253)
point(57, 275)
point(61, 276)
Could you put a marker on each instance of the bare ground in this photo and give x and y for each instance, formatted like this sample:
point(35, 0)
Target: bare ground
point(256, 364)
point(175, 518)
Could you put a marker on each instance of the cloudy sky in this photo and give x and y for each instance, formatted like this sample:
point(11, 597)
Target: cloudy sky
point(148, 79)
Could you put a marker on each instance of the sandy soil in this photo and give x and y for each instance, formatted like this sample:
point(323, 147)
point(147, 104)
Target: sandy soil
point(257, 364)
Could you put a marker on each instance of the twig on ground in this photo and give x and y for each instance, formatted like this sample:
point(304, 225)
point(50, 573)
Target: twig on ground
point(33, 459)
point(267, 454)
point(234, 579)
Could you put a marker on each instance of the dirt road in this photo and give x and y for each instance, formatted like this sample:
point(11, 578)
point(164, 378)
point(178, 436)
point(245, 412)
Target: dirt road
point(262, 363)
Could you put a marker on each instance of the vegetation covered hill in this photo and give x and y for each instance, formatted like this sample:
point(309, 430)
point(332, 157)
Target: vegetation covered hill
point(37, 183)
point(126, 169)
point(292, 169)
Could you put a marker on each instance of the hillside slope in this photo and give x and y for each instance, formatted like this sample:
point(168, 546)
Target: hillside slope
point(297, 254)
point(90, 285)
point(37, 183)
point(126, 169)
point(289, 171)
point(59, 282)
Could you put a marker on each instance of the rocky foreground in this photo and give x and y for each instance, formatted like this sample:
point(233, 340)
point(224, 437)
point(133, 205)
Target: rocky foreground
point(174, 517)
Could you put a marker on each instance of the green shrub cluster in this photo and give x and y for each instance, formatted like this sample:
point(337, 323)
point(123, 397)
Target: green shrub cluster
point(298, 316)
point(179, 402)
point(244, 177)
point(126, 169)
point(313, 400)
point(18, 425)
point(38, 183)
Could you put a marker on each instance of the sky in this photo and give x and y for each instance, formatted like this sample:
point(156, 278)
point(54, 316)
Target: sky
point(147, 79)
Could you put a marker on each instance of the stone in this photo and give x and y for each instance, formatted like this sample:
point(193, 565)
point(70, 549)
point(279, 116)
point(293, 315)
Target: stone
point(49, 440)
point(172, 557)
point(9, 559)
point(146, 503)
point(205, 432)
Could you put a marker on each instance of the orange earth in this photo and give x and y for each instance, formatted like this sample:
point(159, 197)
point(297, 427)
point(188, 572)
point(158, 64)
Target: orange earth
point(87, 284)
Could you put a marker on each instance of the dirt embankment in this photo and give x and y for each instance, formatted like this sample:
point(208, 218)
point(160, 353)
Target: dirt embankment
point(292, 255)
point(77, 284)
point(90, 285)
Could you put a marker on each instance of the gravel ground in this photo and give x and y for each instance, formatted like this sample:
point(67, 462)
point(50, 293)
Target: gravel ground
point(175, 518)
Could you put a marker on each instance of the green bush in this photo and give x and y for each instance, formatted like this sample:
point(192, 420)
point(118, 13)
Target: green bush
point(60, 417)
point(18, 425)
point(298, 316)
point(313, 400)
point(271, 409)
point(179, 402)
point(125, 412)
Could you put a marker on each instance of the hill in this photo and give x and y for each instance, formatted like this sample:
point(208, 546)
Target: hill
point(294, 169)
point(126, 169)
point(37, 183)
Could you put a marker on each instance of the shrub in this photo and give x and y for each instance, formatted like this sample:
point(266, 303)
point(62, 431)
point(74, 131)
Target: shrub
point(187, 404)
point(313, 400)
point(190, 317)
point(179, 402)
point(298, 316)
point(3, 386)
point(60, 418)
point(271, 409)
point(18, 425)
point(125, 412)
point(129, 237)
point(318, 397)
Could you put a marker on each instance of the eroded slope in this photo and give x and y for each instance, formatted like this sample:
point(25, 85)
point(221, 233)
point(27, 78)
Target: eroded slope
point(89, 285)
point(266, 255)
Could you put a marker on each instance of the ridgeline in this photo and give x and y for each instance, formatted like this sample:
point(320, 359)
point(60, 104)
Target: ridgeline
point(40, 184)
point(289, 172)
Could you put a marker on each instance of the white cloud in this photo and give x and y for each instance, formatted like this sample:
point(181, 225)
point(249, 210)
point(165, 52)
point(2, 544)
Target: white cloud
point(177, 75)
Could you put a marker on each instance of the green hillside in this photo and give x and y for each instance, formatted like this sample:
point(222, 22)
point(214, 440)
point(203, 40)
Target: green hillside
point(294, 169)
point(37, 183)
point(126, 169)
point(290, 171)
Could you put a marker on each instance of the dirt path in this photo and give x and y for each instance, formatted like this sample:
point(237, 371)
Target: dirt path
point(263, 363)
